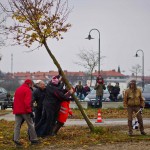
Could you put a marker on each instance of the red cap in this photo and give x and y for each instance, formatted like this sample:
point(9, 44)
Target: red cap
point(28, 81)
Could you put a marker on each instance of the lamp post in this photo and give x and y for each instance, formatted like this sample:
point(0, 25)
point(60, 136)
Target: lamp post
point(136, 55)
point(89, 38)
point(0, 57)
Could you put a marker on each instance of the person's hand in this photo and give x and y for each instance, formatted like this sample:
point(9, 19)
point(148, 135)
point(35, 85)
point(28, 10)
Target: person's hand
point(71, 91)
point(141, 109)
point(35, 104)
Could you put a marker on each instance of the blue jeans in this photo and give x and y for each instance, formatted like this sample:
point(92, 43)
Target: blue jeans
point(98, 99)
point(79, 95)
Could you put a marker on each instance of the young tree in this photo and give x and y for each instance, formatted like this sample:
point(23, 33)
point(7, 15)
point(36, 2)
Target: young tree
point(136, 69)
point(89, 60)
point(38, 20)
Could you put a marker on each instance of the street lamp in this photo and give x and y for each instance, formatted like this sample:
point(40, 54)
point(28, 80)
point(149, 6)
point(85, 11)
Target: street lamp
point(136, 55)
point(89, 38)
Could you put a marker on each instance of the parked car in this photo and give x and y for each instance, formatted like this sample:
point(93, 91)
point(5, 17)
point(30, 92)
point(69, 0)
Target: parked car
point(91, 97)
point(146, 95)
point(6, 101)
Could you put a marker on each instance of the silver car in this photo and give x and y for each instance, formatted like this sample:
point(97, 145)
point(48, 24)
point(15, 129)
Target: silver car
point(91, 97)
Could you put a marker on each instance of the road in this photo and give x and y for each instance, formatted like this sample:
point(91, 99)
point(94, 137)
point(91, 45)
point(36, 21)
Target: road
point(82, 122)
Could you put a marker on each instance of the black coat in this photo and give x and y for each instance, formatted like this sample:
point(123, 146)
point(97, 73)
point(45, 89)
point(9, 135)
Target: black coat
point(38, 96)
point(116, 90)
point(54, 95)
point(51, 105)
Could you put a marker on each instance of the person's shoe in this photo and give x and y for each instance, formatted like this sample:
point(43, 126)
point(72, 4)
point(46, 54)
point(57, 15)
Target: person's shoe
point(53, 134)
point(18, 143)
point(143, 133)
point(34, 142)
point(130, 134)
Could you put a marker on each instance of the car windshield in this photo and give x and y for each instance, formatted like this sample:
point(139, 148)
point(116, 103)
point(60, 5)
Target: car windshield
point(147, 89)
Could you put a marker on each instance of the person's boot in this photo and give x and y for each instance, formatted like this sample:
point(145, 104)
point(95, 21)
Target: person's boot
point(143, 133)
point(56, 128)
point(142, 128)
point(130, 128)
point(18, 144)
point(130, 133)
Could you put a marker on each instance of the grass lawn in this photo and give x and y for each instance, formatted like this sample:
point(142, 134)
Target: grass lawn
point(75, 136)
point(107, 113)
point(4, 112)
point(69, 137)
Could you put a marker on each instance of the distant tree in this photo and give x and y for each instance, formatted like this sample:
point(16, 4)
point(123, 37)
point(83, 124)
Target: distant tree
point(10, 85)
point(89, 60)
point(37, 21)
point(136, 69)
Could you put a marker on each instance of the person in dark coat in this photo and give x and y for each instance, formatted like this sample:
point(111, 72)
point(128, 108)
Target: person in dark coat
point(63, 112)
point(110, 90)
point(38, 98)
point(86, 90)
point(51, 105)
point(116, 91)
point(79, 90)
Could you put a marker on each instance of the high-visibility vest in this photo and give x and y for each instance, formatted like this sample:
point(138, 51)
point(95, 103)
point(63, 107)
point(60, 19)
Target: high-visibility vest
point(64, 112)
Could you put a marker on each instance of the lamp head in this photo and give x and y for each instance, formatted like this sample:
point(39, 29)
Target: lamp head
point(136, 55)
point(89, 37)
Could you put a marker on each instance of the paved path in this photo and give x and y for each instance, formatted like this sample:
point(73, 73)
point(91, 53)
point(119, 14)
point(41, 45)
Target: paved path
point(105, 122)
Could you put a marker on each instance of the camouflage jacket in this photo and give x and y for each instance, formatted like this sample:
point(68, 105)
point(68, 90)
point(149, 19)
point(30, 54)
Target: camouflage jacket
point(133, 98)
point(99, 89)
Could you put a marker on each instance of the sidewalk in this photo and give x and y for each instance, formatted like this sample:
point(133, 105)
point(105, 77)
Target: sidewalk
point(82, 122)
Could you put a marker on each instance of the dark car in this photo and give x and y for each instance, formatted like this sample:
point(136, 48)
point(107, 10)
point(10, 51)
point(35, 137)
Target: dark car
point(146, 95)
point(91, 97)
point(6, 101)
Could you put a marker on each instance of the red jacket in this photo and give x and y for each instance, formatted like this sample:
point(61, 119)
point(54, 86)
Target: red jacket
point(22, 100)
point(64, 111)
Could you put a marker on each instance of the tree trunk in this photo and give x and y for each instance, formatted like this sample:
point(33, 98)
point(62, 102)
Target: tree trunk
point(69, 86)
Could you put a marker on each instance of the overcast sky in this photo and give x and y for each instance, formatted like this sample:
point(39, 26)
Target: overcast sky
point(124, 27)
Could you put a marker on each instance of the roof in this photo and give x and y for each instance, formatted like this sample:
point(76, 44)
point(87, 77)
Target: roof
point(46, 75)
point(109, 73)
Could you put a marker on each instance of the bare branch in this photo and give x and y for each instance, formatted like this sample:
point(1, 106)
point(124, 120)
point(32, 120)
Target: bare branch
point(136, 69)
point(37, 48)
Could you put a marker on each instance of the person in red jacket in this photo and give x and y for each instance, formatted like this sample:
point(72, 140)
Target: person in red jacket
point(22, 109)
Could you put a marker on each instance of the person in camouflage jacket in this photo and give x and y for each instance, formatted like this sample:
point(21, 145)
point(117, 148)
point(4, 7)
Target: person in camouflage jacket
point(99, 87)
point(133, 101)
